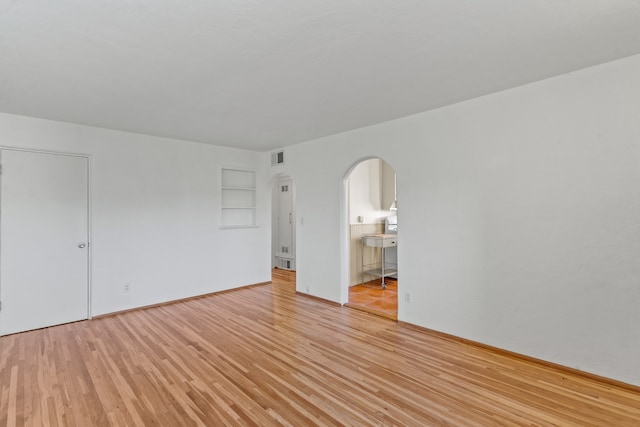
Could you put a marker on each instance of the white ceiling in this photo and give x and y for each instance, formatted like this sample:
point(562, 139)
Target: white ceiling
point(262, 74)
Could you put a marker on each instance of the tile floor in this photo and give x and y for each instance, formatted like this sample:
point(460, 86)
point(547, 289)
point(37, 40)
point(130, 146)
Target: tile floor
point(371, 297)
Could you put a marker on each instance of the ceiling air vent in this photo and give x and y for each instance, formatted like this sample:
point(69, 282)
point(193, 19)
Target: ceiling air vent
point(277, 158)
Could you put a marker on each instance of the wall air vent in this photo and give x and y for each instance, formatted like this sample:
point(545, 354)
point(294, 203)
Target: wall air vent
point(277, 158)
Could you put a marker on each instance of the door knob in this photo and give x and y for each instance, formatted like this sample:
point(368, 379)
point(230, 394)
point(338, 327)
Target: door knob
point(82, 245)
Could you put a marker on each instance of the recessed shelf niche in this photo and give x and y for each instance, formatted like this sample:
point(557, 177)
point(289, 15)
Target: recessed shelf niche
point(238, 193)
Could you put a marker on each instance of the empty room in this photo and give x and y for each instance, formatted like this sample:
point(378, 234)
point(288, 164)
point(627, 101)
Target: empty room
point(192, 192)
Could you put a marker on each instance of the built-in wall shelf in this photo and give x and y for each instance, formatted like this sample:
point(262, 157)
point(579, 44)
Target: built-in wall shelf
point(238, 198)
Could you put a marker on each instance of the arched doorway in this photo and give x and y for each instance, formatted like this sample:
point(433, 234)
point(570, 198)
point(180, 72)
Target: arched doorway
point(371, 227)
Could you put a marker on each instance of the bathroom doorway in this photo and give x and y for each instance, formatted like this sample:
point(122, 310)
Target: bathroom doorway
point(372, 228)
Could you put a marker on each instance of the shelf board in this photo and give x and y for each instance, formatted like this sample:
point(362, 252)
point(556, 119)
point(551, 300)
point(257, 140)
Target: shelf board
point(378, 265)
point(240, 188)
point(378, 273)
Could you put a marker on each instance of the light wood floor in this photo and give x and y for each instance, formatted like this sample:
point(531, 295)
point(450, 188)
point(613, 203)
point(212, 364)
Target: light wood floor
point(266, 356)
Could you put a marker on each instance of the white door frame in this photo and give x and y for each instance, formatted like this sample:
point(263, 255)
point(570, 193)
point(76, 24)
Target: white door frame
point(89, 185)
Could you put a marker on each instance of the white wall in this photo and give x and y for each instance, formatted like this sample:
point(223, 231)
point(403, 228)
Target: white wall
point(367, 184)
point(520, 217)
point(155, 213)
point(364, 192)
point(388, 176)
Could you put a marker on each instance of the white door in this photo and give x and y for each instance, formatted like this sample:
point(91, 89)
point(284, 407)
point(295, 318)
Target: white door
point(286, 221)
point(43, 240)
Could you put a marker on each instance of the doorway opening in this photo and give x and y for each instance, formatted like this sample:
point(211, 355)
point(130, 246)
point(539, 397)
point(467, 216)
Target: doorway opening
point(372, 230)
point(283, 225)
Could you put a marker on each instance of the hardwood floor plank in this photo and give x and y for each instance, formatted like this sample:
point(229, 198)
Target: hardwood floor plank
point(264, 355)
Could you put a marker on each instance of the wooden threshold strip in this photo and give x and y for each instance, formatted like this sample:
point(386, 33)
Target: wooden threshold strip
point(372, 311)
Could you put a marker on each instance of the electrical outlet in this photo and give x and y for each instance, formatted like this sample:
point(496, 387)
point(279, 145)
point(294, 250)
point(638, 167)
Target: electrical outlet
point(407, 297)
point(126, 288)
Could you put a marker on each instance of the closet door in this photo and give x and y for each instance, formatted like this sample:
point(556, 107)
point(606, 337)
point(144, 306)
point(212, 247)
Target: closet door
point(43, 240)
